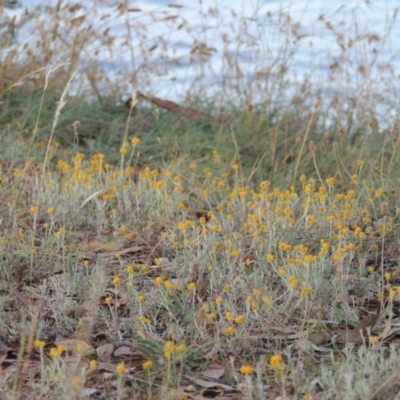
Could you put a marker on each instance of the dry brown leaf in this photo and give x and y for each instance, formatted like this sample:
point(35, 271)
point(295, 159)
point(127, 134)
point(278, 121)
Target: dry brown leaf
point(111, 253)
point(213, 373)
point(356, 334)
point(130, 236)
point(123, 351)
point(319, 338)
point(106, 366)
point(368, 322)
point(104, 352)
point(98, 246)
point(345, 337)
point(208, 384)
point(74, 346)
point(77, 311)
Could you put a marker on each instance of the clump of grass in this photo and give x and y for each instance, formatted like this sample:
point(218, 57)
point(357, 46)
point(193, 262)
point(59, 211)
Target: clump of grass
point(184, 267)
point(150, 254)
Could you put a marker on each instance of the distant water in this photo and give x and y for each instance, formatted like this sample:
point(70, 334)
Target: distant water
point(310, 48)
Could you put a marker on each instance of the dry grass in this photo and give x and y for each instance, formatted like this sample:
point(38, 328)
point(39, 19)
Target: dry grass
point(146, 254)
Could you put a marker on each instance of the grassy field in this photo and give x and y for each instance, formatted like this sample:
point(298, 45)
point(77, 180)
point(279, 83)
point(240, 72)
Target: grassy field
point(238, 254)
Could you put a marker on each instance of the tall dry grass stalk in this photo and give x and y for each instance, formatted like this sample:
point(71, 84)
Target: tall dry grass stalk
point(57, 114)
point(113, 44)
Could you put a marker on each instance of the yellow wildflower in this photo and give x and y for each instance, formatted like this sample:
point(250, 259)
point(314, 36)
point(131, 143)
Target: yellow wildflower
point(239, 319)
point(305, 291)
point(246, 369)
point(116, 280)
point(121, 368)
point(158, 280)
point(230, 330)
point(373, 339)
point(276, 362)
point(135, 141)
point(39, 343)
point(147, 364)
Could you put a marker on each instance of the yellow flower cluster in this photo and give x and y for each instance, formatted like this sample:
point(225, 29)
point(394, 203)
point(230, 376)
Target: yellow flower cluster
point(171, 349)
